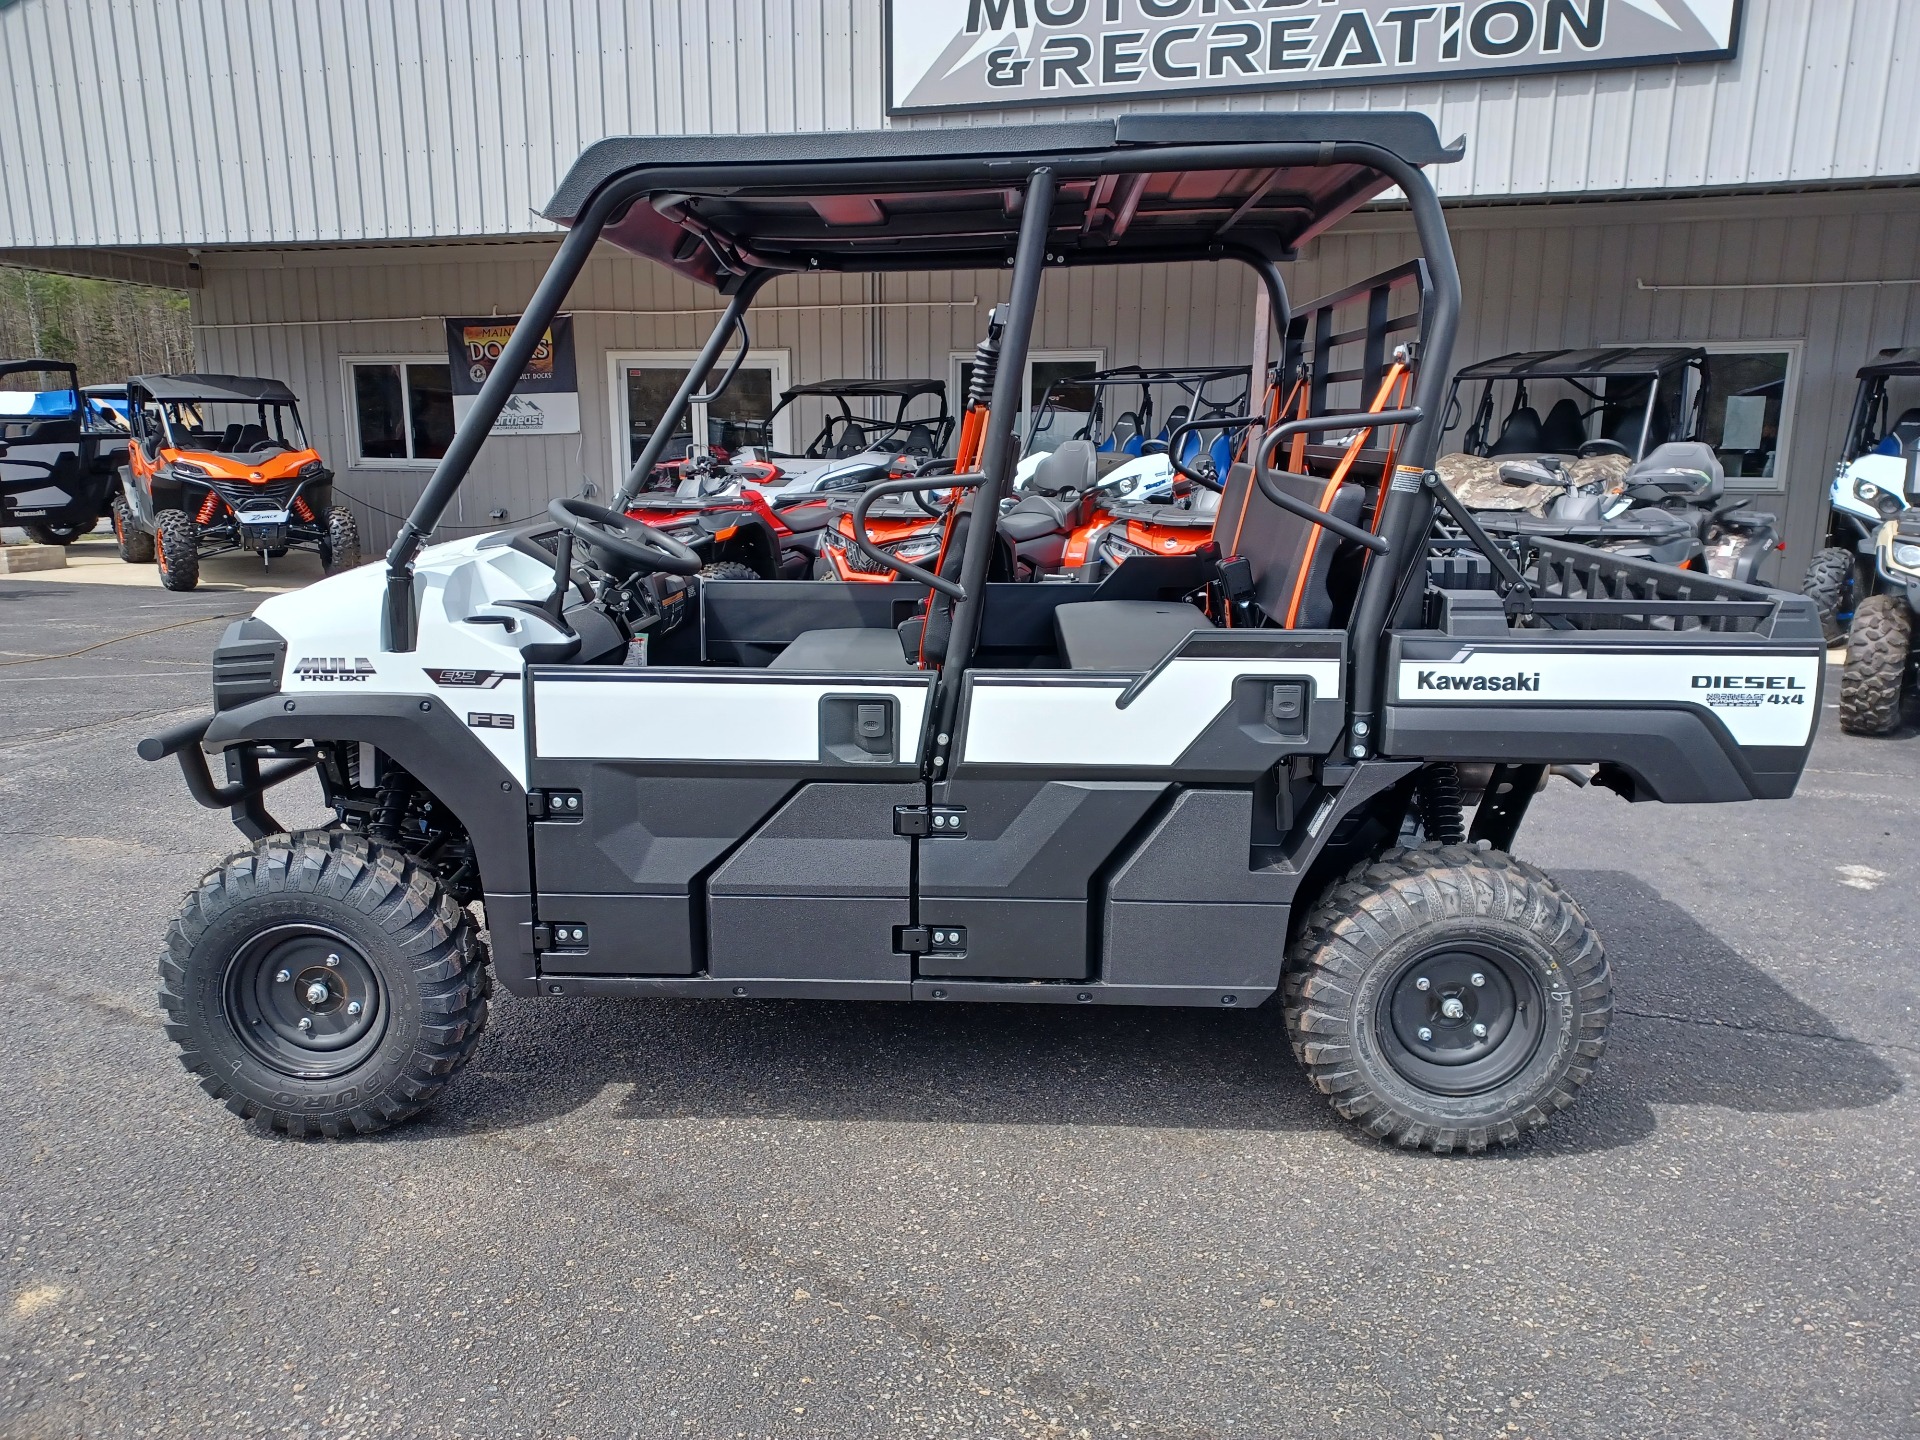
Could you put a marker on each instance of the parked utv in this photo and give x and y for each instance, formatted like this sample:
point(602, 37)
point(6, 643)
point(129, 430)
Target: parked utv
point(1876, 481)
point(1642, 486)
point(949, 790)
point(220, 463)
point(1878, 679)
point(60, 451)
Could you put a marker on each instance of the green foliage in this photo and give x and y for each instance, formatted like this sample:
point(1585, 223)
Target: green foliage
point(107, 329)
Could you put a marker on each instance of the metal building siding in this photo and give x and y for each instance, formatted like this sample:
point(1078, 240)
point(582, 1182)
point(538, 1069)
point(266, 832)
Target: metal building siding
point(191, 122)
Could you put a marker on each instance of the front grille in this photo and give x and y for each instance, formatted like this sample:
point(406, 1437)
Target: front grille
point(242, 495)
point(248, 663)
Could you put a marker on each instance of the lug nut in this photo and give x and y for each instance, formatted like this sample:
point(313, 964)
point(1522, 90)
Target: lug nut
point(317, 993)
point(284, 976)
point(333, 961)
point(305, 1023)
point(1423, 983)
point(1479, 1032)
point(1425, 1033)
point(1452, 1008)
point(1478, 979)
point(353, 1007)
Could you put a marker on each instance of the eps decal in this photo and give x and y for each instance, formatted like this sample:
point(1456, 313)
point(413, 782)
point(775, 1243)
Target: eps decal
point(468, 679)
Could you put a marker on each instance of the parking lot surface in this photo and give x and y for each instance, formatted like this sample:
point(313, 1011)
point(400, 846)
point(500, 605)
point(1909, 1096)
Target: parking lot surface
point(761, 1219)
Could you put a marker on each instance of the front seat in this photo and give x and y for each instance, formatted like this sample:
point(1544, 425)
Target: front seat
point(1521, 435)
point(1565, 430)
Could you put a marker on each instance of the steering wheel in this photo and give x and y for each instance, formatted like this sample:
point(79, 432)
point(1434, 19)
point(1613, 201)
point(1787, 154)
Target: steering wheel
point(641, 547)
point(1603, 447)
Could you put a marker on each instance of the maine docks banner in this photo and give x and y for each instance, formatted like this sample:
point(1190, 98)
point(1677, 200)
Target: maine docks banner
point(545, 399)
point(971, 54)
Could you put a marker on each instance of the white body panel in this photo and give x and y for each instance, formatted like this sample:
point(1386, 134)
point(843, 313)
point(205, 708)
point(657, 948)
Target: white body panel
point(1761, 699)
point(1073, 721)
point(1886, 473)
point(336, 624)
point(702, 715)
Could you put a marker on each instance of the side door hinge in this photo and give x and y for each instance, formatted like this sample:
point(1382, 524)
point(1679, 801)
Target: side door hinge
point(930, 822)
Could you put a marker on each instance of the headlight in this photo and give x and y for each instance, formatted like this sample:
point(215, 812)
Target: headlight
point(911, 550)
point(312, 469)
point(187, 470)
point(1116, 548)
point(1907, 557)
point(1867, 490)
point(685, 534)
point(833, 539)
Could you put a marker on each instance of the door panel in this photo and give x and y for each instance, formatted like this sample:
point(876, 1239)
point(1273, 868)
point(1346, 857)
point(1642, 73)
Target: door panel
point(1018, 882)
point(686, 778)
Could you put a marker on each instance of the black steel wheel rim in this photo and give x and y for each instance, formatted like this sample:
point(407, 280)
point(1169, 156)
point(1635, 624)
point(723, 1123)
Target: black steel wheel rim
point(305, 1000)
point(1461, 1017)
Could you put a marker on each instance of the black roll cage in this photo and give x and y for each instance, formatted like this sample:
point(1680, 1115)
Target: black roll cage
point(1868, 423)
point(1190, 380)
point(1030, 182)
point(841, 391)
point(139, 397)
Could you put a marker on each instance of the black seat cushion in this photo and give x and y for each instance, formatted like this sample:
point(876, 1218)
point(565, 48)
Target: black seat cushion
point(1128, 635)
point(1034, 516)
point(854, 651)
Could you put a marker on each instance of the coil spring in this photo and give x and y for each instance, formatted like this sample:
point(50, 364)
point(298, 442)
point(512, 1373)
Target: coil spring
point(986, 358)
point(390, 809)
point(1437, 797)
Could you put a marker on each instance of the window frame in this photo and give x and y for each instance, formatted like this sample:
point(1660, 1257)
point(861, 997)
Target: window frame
point(1097, 355)
point(1795, 351)
point(779, 361)
point(358, 461)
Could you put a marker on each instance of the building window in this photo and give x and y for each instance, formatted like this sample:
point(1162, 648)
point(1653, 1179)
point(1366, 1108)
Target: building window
point(1047, 371)
point(1749, 410)
point(400, 411)
point(643, 385)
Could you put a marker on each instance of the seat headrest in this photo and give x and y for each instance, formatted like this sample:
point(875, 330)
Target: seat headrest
point(1907, 431)
point(1680, 465)
point(1073, 466)
point(1565, 430)
point(1521, 435)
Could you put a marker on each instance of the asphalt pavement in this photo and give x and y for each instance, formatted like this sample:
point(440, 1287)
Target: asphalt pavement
point(757, 1219)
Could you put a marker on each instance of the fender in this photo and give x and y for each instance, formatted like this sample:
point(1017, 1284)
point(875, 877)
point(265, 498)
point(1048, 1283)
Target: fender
point(427, 738)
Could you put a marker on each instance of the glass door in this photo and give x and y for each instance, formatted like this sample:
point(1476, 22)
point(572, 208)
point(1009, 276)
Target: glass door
point(643, 385)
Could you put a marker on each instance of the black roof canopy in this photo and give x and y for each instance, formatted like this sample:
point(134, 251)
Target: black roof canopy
point(866, 389)
point(1620, 362)
point(41, 366)
point(1892, 362)
point(714, 207)
point(243, 389)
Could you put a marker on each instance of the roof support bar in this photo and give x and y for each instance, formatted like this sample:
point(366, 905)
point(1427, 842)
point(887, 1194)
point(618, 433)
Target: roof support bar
point(400, 617)
point(733, 317)
point(997, 454)
point(1407, 510)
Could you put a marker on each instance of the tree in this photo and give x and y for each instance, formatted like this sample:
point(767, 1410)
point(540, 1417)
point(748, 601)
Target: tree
point(107, 329)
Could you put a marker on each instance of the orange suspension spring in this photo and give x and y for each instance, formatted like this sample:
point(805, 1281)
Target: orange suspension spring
point(209, 508)
point(302, 509)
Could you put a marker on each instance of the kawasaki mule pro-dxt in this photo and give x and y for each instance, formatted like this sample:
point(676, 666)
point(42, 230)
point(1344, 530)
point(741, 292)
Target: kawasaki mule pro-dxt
point(60, 452)
point(943, 789)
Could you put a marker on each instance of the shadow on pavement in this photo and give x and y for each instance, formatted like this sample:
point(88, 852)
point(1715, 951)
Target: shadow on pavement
point(1697, 1025)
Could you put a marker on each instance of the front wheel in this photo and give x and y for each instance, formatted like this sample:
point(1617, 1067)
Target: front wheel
point(341, 549)
point(322, 984)
point(1879, 654)
point(1448, 998)
point(135, 544)
point(1829, 583)
point(728, 570)
point(176, 549)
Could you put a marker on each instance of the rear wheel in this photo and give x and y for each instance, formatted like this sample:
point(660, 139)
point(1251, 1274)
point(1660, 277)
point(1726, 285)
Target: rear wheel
point(176, 548)
point(1829, 583)
point(322, 984)
point(341, 549)
point(136, 545)
point(1448, 998)
point(58, 534)
point(1879, 654)
point(728, 570)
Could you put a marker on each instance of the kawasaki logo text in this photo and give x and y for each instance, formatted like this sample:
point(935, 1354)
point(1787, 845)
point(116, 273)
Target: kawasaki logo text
point(1429, 680)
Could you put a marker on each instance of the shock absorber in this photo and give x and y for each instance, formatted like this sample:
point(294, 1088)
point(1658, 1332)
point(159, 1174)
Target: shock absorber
point(390, 809)
point(973, 423)
point(1437, 797)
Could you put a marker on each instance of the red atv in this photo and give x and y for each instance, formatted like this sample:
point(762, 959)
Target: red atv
point(717, 510)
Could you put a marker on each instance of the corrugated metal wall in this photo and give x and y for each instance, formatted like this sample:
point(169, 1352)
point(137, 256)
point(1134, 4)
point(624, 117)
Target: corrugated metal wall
point(208, 122)
point(1534, 277)
point(256, 314)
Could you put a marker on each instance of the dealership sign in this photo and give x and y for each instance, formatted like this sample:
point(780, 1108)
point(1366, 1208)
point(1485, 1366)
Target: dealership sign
point(965, 54)
point(545, 399)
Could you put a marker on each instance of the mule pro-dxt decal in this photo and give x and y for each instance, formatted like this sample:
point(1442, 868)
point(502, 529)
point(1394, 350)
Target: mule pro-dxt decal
point(334, 669)
point(1762, 700)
